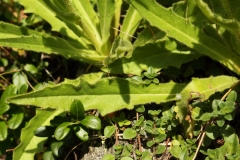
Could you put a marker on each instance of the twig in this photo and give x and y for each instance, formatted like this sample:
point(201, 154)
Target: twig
point(116, 134)
point(138, 136)
point(201, 141)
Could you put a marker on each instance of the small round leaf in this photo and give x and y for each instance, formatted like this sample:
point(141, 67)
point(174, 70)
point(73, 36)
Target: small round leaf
point(206, 116)
point(212, 131)
point(232, 96)
point(108, 131)
point(140, 108)
point(220, 122)
point(160, 138)
point(31, 68)
point(150, 143)
point(129, 133)
point(160, 149)
point(108, 157)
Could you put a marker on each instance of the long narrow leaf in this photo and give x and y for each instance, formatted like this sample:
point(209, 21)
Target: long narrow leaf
point(130, 23)
point(176, 27)
point(106, 12)
point(89, 21)
point(112, 94)
point(42, 9)
point(23, 38)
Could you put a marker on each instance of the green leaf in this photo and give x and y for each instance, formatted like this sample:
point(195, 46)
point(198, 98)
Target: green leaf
point(206, 116)
point(232, 96)
point(140, 108)
point(233, 143)
point(126, 158)
point(125, 94)
point(108, 131)
point(196, 113)
point(130, 23)
point(31, 68)
point(106, 10)
point(121, 120)
point(9, 91)
point(187, 34)
point(202, 89)
point(183, 155)
point(175, 151)
point(89, 21)
point(108, 156)
point(146, 155)
point(151, 55)
point(40, 42)
point(160, 138)
point(31, 144)
point(92, 122)
point(220, 122)
point(154, 113)
point(226, 131)
point(228, 108)
point(44, 131)
point(212, 131)
point(3, 130)
point(129, 133)
point(149, 35)
point(19, 79)
point(57, 148)
point(230, 24)
point(57, 120)
point(139, 122)
point(16, 119)
point(215, 104)
point(160, 149)
point(229, 116)
point(81, 133)
point(58, 22)
point(48, 155)
point(77, 109)
point(62, 130)
point(150, 143)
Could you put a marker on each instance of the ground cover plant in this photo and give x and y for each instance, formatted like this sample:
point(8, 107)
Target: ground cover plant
point(148, 79)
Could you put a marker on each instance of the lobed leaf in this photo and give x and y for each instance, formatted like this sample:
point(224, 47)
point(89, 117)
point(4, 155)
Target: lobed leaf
point(112, 94)
point(107, 95)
